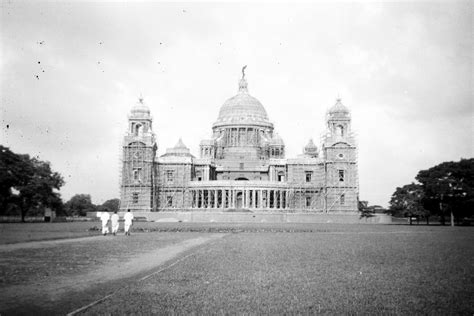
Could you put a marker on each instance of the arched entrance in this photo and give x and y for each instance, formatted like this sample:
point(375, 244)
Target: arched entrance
point(239, 200)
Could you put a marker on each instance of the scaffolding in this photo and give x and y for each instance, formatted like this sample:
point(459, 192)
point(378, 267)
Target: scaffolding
point(172, 195)
point(323, 194)
point(137, 176)
point(342, 189)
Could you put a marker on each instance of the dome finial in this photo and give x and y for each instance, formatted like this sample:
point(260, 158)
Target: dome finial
point(243, 82)
point(243, 71)
point(140, 99)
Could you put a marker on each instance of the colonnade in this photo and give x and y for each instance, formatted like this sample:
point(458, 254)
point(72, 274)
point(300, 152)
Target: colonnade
point(240, 198)
point(241, 136)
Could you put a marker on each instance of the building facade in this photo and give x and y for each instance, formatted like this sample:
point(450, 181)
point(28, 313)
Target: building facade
point(242, 167)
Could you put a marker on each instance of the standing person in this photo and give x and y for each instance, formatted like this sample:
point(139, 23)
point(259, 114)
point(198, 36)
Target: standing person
point(128, 217)
point(115, 223)
point(104, 217)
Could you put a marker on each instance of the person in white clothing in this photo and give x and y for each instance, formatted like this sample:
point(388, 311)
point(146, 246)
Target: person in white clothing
point(115, 223)
point(128, 217)
point(104, 217)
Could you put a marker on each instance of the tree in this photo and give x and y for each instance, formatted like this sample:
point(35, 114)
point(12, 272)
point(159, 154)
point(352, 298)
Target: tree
point(79, 205)
point(407, 202)
point(110, 205)
point(14, 171)
point(449, 188)
point(365, 211)
point(27, 184)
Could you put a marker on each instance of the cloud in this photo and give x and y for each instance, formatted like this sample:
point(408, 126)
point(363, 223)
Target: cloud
point(404, 69)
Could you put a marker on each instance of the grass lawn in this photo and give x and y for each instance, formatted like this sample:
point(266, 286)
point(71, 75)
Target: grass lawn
point(254, 269)
point(25, 232)
point(347, 269)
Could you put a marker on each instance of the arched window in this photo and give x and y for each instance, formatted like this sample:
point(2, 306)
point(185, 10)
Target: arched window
point(341, 174)
point(138, 130)
point(281, 176)
point(136, 174)
point(340, 130)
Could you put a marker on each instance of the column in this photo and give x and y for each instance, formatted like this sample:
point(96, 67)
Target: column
point(247, 198)
point(269, 195)
point(254, 195)
point(267, 204)
point(223, 200)
point(201, 193)
point(273, 198)
point(203, 199)
point(196, 198)
point(208, 198)
point(281, 199)
point(216, 201)
point(196, 194)
point(199, 198)
point(233, 197)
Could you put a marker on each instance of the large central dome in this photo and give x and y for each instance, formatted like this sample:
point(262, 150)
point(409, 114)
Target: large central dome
point(242, 109)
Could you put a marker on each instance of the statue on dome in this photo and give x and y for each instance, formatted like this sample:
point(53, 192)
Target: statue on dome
point(243, 71)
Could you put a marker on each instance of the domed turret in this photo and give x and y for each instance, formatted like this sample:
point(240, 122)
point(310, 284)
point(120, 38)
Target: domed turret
point(311, 149)
point(277, 140)
point(140, 120)
point(179, 149)
point(339, 109)
point(140, 110)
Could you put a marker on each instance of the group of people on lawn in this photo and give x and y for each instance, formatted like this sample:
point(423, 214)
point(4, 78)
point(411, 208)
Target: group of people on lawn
point(114, 219)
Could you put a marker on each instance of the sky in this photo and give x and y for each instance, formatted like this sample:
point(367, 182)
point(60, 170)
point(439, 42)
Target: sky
point(71, 71)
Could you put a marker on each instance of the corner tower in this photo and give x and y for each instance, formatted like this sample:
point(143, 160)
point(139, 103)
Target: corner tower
point(340, 157)
point(138, 157)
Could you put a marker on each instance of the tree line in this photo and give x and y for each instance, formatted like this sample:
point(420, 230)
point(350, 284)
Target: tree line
point(29, 185)
point(445, 191)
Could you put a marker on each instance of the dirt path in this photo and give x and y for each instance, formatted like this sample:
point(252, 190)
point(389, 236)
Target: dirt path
point(57, 288)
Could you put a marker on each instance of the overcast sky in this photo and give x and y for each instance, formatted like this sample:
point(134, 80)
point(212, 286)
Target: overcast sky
point(70, 73)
